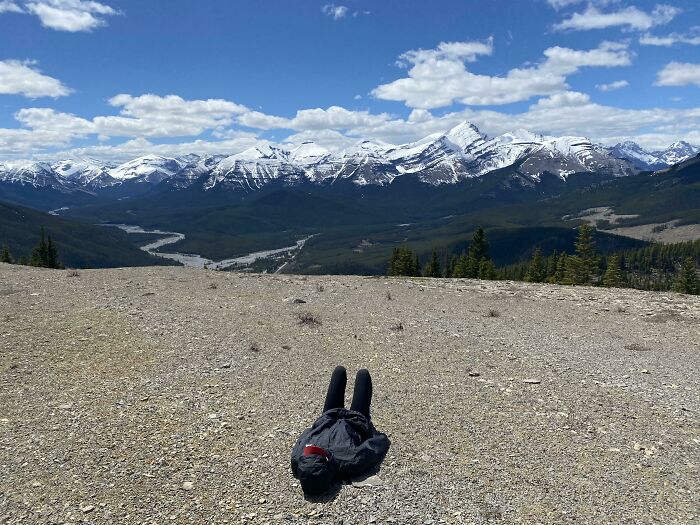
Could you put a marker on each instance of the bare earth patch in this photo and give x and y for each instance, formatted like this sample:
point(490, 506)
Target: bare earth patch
point(667, 232)
point(150, 396)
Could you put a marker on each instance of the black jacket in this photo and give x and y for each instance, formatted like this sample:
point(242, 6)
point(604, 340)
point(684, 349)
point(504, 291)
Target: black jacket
point(354, 445)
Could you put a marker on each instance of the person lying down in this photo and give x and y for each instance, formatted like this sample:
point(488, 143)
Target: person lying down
point(342, 444)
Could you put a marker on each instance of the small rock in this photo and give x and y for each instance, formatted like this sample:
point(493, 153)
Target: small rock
point(372, 481)
point(474, 374)
point(645, 371)
point(532, 381)
point(187, 485)
point(262, 500)
point(65, 406)
point(87, 508)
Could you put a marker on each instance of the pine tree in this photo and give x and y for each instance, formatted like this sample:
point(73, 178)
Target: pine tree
point(613, 274)
point(479, 247)
point(487, 270)
point(415, 268)
point(40, 254)
point(5, 255)
point(687, 280)
point(588, 259)
point(432, 269)
point(460, 267)
point(403, 262)
point(551, 266)
point(52, 254)
point(574, 272)
point(560, 274)
point(536, 271)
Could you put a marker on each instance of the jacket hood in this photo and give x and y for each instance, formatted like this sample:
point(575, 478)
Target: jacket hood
point(315, 474)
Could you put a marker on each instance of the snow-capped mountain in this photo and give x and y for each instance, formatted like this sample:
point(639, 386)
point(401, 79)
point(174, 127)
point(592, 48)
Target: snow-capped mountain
point(461, 153)
point(35, 174)
point(646, 160)
point(89, 173)
point(677, 152)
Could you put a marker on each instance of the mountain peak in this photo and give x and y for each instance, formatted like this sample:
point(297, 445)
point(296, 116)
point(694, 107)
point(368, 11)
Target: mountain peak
point(308, 150)
point(465, 135)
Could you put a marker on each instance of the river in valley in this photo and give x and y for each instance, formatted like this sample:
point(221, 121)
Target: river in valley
point(197, 261)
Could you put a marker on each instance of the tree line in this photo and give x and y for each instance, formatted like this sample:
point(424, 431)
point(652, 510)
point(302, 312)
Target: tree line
point(44, 254)
point(658, 267)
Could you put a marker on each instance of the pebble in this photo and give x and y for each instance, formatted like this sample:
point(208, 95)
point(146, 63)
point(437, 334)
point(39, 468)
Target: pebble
point(187, 485)
point(532, 381)
point(87, 508)
point(372, 481)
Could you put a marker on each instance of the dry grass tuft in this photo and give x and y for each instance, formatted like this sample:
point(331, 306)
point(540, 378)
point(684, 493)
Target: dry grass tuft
point(308, 319)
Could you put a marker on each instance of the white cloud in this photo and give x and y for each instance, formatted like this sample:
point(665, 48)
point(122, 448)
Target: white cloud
point(328, 138)
point(6, 6)
point(63, 15)
point(612, 86)
point(439, 78)
point(143, 116)
point(631, 18)
point(334, 117)
point(22, 78)
point(691, 38)
point(336, 12)
point(559, 4)
point(679, 74)
point(138, 147)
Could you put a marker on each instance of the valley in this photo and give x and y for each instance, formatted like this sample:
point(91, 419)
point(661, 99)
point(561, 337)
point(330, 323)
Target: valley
point(527, 190)
point(197, 261)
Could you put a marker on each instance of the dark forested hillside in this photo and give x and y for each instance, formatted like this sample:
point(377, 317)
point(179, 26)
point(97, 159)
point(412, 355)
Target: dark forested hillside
point(79, 245)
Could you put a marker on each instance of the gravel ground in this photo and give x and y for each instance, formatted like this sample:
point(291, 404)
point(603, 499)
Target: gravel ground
point(171, 395)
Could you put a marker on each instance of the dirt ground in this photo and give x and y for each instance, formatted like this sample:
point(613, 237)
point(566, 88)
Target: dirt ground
point(172, 395)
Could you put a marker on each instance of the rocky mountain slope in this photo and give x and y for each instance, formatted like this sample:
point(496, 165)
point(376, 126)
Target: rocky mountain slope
point(505, 403)
point(646, 160)
point(461, 153)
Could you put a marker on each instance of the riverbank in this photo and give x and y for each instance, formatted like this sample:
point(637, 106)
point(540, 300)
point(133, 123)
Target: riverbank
point(197, 261)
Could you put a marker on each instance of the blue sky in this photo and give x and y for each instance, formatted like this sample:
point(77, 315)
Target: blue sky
point(119, 78)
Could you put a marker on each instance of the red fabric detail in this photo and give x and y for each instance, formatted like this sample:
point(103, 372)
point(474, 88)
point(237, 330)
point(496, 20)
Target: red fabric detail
point(313, 450)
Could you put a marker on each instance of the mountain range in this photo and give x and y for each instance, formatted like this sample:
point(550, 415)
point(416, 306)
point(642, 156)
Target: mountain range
point(462, 153)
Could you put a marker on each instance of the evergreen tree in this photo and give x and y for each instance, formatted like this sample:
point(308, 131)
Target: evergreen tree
point(52, 254)
point(460, 268)
point(432, 269)
point(560, 274)
point(551, 267)
point(450, 266)
point(613, 274)
point(403, 262)
point(687, 280)
point(487, 270)
point(5, 255)
point(40, 254)
point(478, 252)
point(536, 272)
point(587, 266)
point(479, 247)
